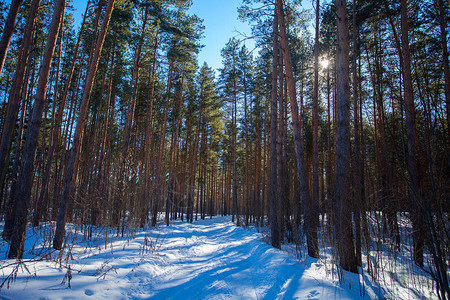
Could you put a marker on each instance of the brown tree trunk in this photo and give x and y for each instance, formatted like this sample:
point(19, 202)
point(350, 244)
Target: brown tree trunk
point(202, 170)
point(11, 205)
point(357, 166)
point(129, 124)
point(283, 182)
point(160, 158)
point(310, 222)
point(343, 223)
point(62, 150)
point(412, 141)
point(106, 155)
point(149, 134)
point(273, 187)
point(8, 30)
point(315, 154)
point(329, 167)
point(39, 207)
point(174, 150)
point(247, 179)
point(193, 163)
point(27, 172)
point(266, 173)
point(72, 166)
point(234, 150)
point(15, 91)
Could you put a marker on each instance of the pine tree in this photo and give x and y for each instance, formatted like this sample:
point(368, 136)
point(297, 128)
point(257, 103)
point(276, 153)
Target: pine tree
point(229, 77)
point(8, 30)
point(310, 222)
point(73, 163)
point(343, 224)
point(27, 172)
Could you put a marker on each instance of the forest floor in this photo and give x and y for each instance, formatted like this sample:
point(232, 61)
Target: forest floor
point(209, 259)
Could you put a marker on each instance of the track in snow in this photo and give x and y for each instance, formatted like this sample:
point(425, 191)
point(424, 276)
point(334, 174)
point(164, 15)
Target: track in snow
point(209, 259)
point(214, 259)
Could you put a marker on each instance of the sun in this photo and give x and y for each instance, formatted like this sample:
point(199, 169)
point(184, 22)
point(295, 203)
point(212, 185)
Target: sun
point(324, 63)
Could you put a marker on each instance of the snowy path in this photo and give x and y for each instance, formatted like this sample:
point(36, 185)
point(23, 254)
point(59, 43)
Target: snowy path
point(210, 259)
point(214, 259)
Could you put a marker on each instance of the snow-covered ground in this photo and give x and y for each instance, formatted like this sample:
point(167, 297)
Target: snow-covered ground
point(209, 259)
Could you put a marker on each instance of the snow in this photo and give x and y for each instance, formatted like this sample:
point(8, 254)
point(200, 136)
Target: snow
point(209, 259)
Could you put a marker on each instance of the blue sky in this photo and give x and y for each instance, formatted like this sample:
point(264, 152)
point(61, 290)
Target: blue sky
point(220, 20)
point(80, 7)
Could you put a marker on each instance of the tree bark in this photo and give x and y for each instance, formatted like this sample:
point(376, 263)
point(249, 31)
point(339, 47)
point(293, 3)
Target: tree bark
point(160, 158)
point(234, 150)
point(57, 124)
point(315, 185)
point(11, 205)
point(27, 173)
point(130, 119)
point(343, 223)
point(193, 163)
point(310, 227)
point(149, 133)
point(357, 165)
point(412, 140)
point(176, 119)
point(15, 91)
point(39, 204)
point(8, 30)
point(72, 166)
point(273, 188)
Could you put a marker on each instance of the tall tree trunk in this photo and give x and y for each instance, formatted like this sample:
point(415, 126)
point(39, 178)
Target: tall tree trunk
point(329, 167)
point(8, 31)
point(247, 179)
point(11, 206)
point(415, 189)
point(258, 173)
point(62, 150)
point(72, 166)
point(106, 154)
point(129, 123)
point(27, 172)
point(60, 111)
point(315, 181)
point(357, 165)
point(234, 150)
point(15, 91)
point(273, 187)
point(176, 119)
point(193, 163)
point(310, 222)
point(203, 175)
point(160, 158)
point(39, 204)
point(283, 182)
point(149, 133)
point(343, 218)
point(412, 140)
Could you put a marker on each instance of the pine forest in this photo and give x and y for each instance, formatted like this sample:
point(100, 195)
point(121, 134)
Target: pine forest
point(328, 138)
